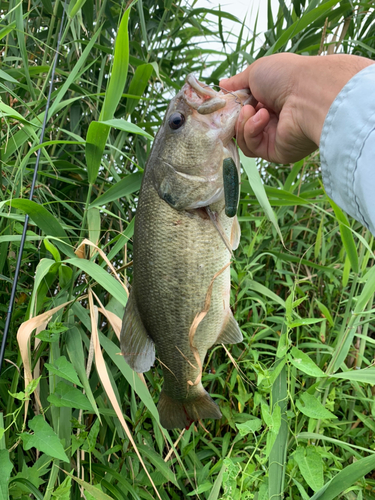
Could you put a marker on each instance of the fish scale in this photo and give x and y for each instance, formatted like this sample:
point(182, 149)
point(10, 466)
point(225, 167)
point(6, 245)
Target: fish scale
point(182, 239)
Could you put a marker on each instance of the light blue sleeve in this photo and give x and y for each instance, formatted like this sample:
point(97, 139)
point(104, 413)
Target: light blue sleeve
point(347, 148)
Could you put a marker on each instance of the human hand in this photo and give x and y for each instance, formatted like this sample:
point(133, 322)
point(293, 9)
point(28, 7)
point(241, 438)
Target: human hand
point(294, 94)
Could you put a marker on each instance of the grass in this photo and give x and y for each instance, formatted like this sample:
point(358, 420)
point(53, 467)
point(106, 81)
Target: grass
point(296, 396)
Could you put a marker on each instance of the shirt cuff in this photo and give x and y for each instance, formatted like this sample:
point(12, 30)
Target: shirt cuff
point(347, 148)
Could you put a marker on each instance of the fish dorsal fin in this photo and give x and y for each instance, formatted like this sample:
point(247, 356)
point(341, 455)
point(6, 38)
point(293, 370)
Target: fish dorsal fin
point(230, 333)
point(136, 345)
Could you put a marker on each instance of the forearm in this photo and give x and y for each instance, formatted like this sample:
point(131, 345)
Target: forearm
point(347, 148)
point(322, 79)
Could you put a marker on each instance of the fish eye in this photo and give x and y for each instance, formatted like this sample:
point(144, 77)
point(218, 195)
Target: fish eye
point(176, 120)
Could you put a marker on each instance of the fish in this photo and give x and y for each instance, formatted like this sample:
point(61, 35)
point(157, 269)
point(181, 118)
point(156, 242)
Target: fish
point(182, 247)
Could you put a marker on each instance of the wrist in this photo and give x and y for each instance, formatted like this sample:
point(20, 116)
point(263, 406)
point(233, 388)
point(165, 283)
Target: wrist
point(326, 77)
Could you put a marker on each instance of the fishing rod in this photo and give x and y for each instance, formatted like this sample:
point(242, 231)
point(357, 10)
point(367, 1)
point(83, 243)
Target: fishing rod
point(23, 237)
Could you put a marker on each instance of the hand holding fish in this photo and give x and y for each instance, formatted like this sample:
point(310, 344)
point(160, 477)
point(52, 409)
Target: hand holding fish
point(294, 94)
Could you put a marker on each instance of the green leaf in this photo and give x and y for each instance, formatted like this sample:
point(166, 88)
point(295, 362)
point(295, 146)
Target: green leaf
point(345, 478)
point(310, 464)
point(278, 452)
point(63, 491)
point(138, 85)
point(312, 408)
point(258, 287)
point(253, 425)
point(64, 369)
point(214, 494)
point(92, 437)
point(95, 491)
point(8, 112)
point(324, 310)
point(93, 222)
point(304, 363)
point(6, 467)
point(301, 24)
point(126, 127)
point(346, 338)
point(73, 75)
point(75, 351)
point(249, 165)
point(206, 486)
point(119, 70)
point(43, 268)
point(70, 397)
point(138, 386)
point(128, 185)
point(44, 220)
point(366, 375)
point(50, 247)
point(305, 321)
point(346, 236)
point(4, 76)
point(74, 7)
point(96, 140)
point(158, 462)
point(44, 439)
point(98, 274)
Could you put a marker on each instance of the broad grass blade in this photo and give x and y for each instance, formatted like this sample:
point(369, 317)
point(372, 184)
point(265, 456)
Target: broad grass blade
point(301, 24)
point(345, 478)
point(6, 467)
point(119, 70)
point(45, 221)
point(102, 277)
point(128, 185)
point(138, 85)
point(346, 236)
point(104, 377)
point(127, 127)
point(77, 357)
point(277, 458)
point(256, 184)
point(96, 140)
point(345, 341)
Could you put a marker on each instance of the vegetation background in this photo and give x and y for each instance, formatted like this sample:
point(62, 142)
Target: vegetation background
point(297, 396)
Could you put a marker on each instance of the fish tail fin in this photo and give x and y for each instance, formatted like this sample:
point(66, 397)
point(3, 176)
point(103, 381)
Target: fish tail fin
point(176, 414)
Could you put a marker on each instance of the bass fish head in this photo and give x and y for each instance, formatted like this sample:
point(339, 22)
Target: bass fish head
point(186, 163)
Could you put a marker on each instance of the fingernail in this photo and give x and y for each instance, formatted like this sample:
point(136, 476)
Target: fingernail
point(256, 117)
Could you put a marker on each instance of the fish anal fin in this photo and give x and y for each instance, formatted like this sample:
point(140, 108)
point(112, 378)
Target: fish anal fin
point(178, 415)
point(230, 333)
point(136, 345)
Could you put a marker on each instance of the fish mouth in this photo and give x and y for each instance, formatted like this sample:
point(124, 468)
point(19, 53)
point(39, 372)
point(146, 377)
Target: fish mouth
point(206, 100)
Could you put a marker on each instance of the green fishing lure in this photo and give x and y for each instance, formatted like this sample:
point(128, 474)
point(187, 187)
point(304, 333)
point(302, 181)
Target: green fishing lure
point(231, 187)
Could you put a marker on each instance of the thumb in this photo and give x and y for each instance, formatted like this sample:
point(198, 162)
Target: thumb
point(237, 82)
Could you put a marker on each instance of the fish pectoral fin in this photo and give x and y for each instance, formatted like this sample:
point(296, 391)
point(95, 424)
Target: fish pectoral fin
point(136, 345)
point(235, 234)
point(177, 414)
point(231, 333)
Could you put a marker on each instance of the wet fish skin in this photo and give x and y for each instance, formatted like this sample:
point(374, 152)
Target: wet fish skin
point(178, 249)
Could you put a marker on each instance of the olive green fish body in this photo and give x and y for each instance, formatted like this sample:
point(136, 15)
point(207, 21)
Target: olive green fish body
point(177, 253)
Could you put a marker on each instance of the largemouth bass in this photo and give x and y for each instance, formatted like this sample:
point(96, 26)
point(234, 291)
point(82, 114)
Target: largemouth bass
point(182, 245)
